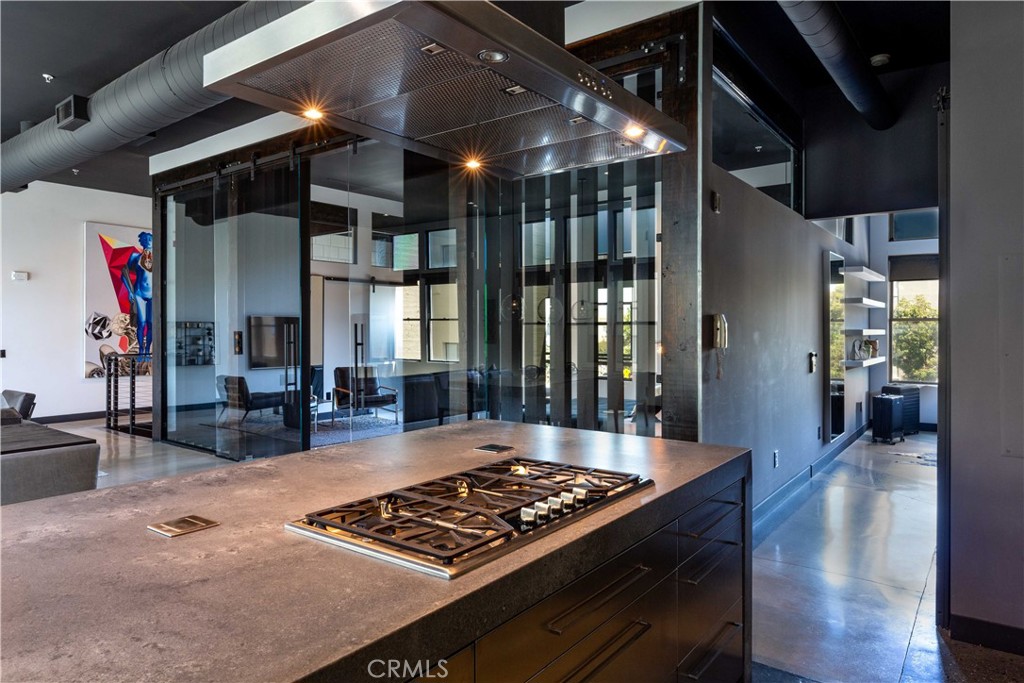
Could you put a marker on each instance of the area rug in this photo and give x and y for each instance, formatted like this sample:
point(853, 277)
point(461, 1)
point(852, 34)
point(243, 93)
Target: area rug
point(342, 431)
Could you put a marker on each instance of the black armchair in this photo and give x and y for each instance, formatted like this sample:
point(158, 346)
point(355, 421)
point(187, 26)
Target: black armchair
point(364, 392)
point(21, 401)
point(239, 396)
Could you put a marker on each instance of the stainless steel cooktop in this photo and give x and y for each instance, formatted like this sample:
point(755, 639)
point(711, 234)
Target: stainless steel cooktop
point(447, 526)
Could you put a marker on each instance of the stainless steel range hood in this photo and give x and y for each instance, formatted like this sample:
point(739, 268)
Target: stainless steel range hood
point(455, 80)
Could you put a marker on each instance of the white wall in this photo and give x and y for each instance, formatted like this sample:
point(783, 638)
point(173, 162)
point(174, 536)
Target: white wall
point(987, 312)
point(43, 232)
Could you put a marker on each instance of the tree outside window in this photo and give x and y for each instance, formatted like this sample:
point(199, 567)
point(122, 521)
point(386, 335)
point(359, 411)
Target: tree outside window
point(915, 331)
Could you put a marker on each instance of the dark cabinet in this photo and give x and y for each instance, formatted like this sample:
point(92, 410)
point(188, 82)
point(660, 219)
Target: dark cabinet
point(672, 607)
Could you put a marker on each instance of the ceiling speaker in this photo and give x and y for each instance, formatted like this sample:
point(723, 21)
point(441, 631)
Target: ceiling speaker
point(73, 113)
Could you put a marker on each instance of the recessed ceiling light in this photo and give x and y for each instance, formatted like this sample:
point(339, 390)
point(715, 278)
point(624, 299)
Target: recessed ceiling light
point(880, 59)
point(48, 78)
point(515, 90)
point(432, 49)
point(473, 164)
point(577, 120)
point(313, 114)
point(634, 131)
point(492, 56)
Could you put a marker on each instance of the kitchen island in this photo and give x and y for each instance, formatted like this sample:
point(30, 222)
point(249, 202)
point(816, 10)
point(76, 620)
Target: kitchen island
point(90, 594)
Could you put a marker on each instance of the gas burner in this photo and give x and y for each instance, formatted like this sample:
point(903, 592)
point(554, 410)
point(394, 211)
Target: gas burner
point(449, 525)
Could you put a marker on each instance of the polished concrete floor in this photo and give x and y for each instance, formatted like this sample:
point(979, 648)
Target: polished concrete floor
point(844, 585)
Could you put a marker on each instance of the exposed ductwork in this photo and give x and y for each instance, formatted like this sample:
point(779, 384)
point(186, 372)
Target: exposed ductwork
point(161, 91)
point(827, 34)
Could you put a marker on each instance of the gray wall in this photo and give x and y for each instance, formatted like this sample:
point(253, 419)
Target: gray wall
point(763, 269)
point(987, 312)
point(852, 169)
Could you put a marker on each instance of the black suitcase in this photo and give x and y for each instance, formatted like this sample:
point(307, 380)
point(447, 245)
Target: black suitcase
point(911, 405)
point(887, 418)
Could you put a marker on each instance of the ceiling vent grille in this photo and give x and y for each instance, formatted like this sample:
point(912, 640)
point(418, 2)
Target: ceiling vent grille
point(72, 113)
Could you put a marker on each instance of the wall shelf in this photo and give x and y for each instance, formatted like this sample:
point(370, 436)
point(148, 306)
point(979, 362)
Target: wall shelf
point(864, 363)
point(864, 332)
point(864, 301)
point(862, 273)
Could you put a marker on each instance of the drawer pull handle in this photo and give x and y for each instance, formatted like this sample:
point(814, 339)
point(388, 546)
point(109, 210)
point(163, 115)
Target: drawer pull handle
point(710, 565)
point(563, 621)
point(733, 505)
point(625, 638)
point(724, 638)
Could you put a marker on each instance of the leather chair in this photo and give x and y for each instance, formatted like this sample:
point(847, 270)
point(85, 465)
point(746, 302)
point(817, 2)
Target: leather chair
point(21, 401)
point(239, 396)
point(364, 392)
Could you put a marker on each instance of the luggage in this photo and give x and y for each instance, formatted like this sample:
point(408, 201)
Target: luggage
point(911, 405)
point(887, 418)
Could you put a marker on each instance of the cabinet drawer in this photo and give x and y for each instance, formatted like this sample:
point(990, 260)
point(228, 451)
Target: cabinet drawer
point(719, 657)
point(709, 519)
point(637, 644)
point(708, 583)
point(523, 646)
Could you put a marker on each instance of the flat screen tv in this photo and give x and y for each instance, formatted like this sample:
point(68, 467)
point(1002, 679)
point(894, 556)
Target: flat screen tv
point(273, 342)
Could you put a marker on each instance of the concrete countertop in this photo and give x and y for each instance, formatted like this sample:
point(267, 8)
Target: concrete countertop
point(88, 593)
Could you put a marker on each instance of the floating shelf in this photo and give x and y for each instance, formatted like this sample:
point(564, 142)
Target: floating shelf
point(862, 273)
point(865, 333)
point(864, 301)
point(864, 363)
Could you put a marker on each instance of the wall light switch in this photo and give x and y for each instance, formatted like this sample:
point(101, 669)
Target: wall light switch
point(19, 275)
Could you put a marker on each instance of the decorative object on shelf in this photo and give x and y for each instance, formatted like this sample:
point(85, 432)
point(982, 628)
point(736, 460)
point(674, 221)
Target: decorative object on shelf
point(238, 342)
point(859, 350)
point(872, 346)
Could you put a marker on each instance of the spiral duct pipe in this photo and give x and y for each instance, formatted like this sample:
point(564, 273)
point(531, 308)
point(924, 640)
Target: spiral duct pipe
point(163, 90)
point(827, 34)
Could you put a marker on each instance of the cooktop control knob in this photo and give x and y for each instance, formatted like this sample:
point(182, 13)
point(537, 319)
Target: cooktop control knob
point(568, 500)
point(543, 511)
point(580, 494)
point(556, 505)
point(528, 515)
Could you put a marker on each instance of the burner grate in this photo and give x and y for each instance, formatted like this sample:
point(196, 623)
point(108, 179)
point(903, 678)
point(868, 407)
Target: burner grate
point(435, 528)
point(599, 483)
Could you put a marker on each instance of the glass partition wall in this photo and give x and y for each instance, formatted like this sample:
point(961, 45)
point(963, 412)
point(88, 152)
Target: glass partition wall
point(436, 294)
point(232, 315)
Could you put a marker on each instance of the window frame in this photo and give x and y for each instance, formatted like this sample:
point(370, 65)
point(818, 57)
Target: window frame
point(892, 337)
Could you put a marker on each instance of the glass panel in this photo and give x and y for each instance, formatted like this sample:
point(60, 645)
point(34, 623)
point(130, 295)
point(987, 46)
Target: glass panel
point(235, 276)
point(836, 291)
point(444, 325)
point(383, 251)
point(747, 147)
point(441, 245)
point(915, 331)
point(915, 225)
point(408, 310)
point(406, 252)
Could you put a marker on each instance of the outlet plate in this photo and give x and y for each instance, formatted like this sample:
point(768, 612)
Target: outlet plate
point(775, 458)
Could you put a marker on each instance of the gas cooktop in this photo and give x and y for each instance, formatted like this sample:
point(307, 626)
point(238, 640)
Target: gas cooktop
point(447, 526)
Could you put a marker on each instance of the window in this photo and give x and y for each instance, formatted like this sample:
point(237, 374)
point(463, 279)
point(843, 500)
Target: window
point(338, 247)
point(914, 225)
point(408, 328)
point(383, 254)
point(406, 252)
point(444, 322)
point(538, 241)
point(441, 248)
point(915, 331)
point(625, 325)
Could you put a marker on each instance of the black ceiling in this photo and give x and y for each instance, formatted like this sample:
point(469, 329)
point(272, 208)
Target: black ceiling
point(85, 45)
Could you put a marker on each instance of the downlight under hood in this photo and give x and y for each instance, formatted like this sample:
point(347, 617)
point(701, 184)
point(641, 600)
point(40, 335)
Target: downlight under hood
point(459, 81)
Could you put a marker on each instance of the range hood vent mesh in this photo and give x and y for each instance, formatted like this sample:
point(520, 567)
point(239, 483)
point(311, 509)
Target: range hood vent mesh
point(375, 64)
point(605, 148)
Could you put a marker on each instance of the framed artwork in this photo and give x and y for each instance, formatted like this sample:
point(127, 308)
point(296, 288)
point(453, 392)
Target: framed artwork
point(118, 315)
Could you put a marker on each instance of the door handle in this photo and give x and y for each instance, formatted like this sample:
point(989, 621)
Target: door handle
point(732, 506)
point(724, 638)
point(588, 605)
point(611, 649)
point(711, 564)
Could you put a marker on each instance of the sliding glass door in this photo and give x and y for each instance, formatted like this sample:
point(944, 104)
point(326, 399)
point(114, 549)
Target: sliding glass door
point(232, 315)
